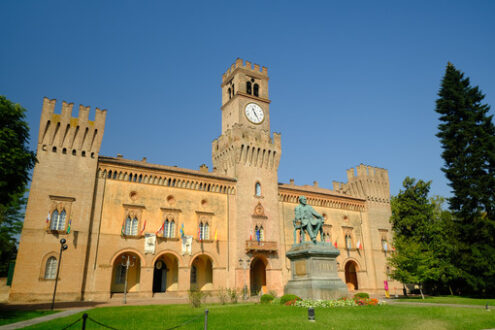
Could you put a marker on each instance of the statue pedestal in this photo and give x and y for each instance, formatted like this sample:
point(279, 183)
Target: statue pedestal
point(314, 272)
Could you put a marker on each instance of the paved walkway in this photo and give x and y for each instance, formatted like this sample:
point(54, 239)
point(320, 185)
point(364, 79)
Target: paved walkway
point(392, 302)
point(27, 323)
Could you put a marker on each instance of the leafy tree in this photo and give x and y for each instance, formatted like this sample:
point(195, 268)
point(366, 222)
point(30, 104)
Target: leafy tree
point(413, 225)
point(15, 163)
point(444, 244)
point(467, 134)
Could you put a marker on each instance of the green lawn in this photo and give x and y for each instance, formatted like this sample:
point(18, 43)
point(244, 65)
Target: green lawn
point(450, 300)
point(7, 317)
point(283, 317)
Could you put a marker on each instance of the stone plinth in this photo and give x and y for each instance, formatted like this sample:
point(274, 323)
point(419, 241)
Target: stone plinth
point(314, 271)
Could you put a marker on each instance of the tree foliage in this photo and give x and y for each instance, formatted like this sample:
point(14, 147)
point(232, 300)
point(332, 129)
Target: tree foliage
point(422, 251)
point(467, 134)
point(16, 161)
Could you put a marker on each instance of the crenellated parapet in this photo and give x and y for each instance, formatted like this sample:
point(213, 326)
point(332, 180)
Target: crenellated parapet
point(61, 132)
point(371, 183)
point(245, 65)
point(246, 146)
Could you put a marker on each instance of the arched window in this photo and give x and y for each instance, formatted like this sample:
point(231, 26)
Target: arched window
point(384, 245)
point(166, 229)
point(257, 189)
point(169, 229)
point(348, 242)
point(58, 220)
point(131, 226)
point(172, 229)
point(259, 233)
point(51, 268)
point(120, 274)
point(248, 87)
point(204, 231)
point(256, 90)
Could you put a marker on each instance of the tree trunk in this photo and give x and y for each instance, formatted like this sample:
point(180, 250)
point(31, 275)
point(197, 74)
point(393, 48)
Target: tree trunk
point(421, 291)
point(404, 290)
point(450, 289)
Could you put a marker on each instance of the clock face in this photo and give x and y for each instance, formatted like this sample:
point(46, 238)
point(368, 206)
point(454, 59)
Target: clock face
point(254, 113)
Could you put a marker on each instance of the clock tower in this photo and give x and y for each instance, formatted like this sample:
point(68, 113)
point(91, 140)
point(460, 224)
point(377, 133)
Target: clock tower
point(247, 151)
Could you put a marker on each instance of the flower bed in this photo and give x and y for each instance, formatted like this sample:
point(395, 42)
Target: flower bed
point(342, 302)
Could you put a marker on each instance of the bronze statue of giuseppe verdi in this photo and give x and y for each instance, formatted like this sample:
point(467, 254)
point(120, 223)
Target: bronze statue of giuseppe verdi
point(307, 220)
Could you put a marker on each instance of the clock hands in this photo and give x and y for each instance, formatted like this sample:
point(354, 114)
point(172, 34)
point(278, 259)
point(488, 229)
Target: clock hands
point(254, 112)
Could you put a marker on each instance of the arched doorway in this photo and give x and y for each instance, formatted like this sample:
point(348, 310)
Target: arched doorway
point(165, 273)
point(257, 275)
point(201, 273)
point(351, 276)
point(120, 272)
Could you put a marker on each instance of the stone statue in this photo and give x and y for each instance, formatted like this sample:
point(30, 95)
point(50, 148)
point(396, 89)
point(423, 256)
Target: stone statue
point(307, 220)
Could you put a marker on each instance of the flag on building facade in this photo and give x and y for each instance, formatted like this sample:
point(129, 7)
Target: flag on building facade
point(68, 226)
point(199, 233)
point(122, 231)
point(335, 243)
point(142, 230)
point(216, 235)
point(258, 235)
point(182, 230)
point(385, 246)
point(48, 221)
point(161, 228)
point(359, 245)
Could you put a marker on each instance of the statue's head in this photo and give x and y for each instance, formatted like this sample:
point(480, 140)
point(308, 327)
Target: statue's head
point(302, 200)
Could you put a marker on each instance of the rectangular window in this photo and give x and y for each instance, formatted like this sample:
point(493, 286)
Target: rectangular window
point(120, 274)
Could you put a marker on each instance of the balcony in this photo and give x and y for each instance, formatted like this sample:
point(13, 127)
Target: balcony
point(261, 246)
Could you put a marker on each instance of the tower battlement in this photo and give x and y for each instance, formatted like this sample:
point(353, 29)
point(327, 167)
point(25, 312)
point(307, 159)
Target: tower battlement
point(367, 182)
point(63, 132)
point(240, 63)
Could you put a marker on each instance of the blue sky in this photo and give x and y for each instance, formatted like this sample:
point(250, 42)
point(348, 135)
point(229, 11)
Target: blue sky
point(350, 82)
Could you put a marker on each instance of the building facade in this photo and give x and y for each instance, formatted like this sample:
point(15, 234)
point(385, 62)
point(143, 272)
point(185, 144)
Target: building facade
point(182, 229)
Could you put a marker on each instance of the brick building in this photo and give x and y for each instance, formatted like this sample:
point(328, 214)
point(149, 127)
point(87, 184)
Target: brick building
point(228, 227)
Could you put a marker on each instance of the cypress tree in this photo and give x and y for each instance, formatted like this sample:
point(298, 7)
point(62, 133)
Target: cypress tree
point(467, 134)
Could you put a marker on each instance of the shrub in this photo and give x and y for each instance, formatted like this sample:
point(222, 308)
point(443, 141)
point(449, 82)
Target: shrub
point(233, 295)
point(325, 303)
point(273, 293)
point(266, 298)
point(361, 295)
point(196, 297)
point(366, 302)
point(291, 302)
point(222, 296)
point(288, 297)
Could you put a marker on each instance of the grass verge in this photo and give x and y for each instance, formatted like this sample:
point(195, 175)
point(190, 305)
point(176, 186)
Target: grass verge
point(7, 317)
point(272, 316)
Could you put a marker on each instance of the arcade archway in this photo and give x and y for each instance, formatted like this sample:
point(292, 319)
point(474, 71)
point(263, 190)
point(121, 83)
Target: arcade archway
point(257, 275)
point(165, 273)
point(120, 271)
point(351, 276)
point(201, 277)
